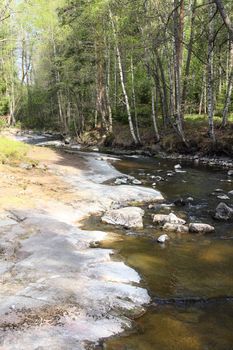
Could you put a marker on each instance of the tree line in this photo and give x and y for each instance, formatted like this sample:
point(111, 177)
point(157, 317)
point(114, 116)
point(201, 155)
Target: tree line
point(77, 65)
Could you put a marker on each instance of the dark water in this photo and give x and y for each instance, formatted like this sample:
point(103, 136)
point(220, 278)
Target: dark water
point(189, 266)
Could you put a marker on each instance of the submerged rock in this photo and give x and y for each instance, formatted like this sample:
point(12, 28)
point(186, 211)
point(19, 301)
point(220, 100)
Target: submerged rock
point(163, 238)
point(223, 212)
point(171, 218)
point(200, 228)
point(128, 217)
point(230, 172)
point(180, 202)
point(175, 228)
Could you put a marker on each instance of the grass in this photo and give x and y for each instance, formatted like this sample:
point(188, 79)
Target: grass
point(204, 118)
point(12, 151)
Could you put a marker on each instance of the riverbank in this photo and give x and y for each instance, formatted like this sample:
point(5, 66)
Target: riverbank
point(57, 291)
point(67, 144)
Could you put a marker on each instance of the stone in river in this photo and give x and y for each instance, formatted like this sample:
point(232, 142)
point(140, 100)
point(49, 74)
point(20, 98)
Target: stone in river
point(136, 182)
point(128, 217)
point(223, 197)
point(200, 228)
point(177, 166)
point(163, 238)
point(171, 218)
point(223, 212)
point(175, 228)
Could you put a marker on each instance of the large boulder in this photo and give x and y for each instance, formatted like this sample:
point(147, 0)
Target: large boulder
point(175, 228)
point(129, 217)
point(200, 228)
point(223, 212)
point(171, 219)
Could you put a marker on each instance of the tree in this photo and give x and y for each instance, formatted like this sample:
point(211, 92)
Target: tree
point(229, 27)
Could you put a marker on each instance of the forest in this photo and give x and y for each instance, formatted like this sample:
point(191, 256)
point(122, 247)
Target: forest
point(129, 72)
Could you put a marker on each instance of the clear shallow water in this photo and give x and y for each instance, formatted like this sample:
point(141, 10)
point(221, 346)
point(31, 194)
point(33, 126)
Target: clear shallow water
point(188, 266)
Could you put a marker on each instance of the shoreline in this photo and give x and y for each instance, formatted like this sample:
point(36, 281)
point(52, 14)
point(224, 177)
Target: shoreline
point(57, 272)
point(221, 161)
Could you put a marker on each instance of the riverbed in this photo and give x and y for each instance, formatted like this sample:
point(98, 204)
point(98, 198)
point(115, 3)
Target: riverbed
point(190, 278)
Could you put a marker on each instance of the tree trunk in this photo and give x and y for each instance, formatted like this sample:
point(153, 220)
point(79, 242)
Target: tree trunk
point(188, 61)
point(210, 72)
point(108, 89)
point(154, 113)
point(229, 26)
point(131, 127)
point(59, 93)
point(134, 99)
point(229, 90)
point(178, 35)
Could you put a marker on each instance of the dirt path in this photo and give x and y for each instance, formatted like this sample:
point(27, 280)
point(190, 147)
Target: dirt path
point(57, 292)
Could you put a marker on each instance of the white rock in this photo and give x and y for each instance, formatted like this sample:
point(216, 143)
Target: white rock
point(230, 173)
point(231, 193)
point(163, 239)
point(180, 171)
point(177, 166)
point(121, 181)
point(136, 182)
point(200, 228)
point(171, 219)
point(128, 217)
point(160, 218)
point(175, 228)
point(223, 196)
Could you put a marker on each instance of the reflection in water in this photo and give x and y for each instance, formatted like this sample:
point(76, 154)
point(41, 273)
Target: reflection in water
point(188, 266)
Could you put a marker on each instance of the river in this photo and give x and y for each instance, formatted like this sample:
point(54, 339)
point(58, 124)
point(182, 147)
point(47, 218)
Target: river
point(190, 279)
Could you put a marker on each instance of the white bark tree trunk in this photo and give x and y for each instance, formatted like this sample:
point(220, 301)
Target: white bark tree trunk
point(131, 127)
point(210, 73)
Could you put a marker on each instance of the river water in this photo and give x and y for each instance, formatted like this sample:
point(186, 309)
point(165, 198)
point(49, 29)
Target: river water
point(190, 279)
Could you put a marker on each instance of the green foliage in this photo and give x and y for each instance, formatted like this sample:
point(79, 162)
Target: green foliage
point(68, 51)
point(3, 124)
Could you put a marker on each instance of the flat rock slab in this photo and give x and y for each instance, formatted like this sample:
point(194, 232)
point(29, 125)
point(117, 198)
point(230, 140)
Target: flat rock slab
point(59, 293)
point(129, 217)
